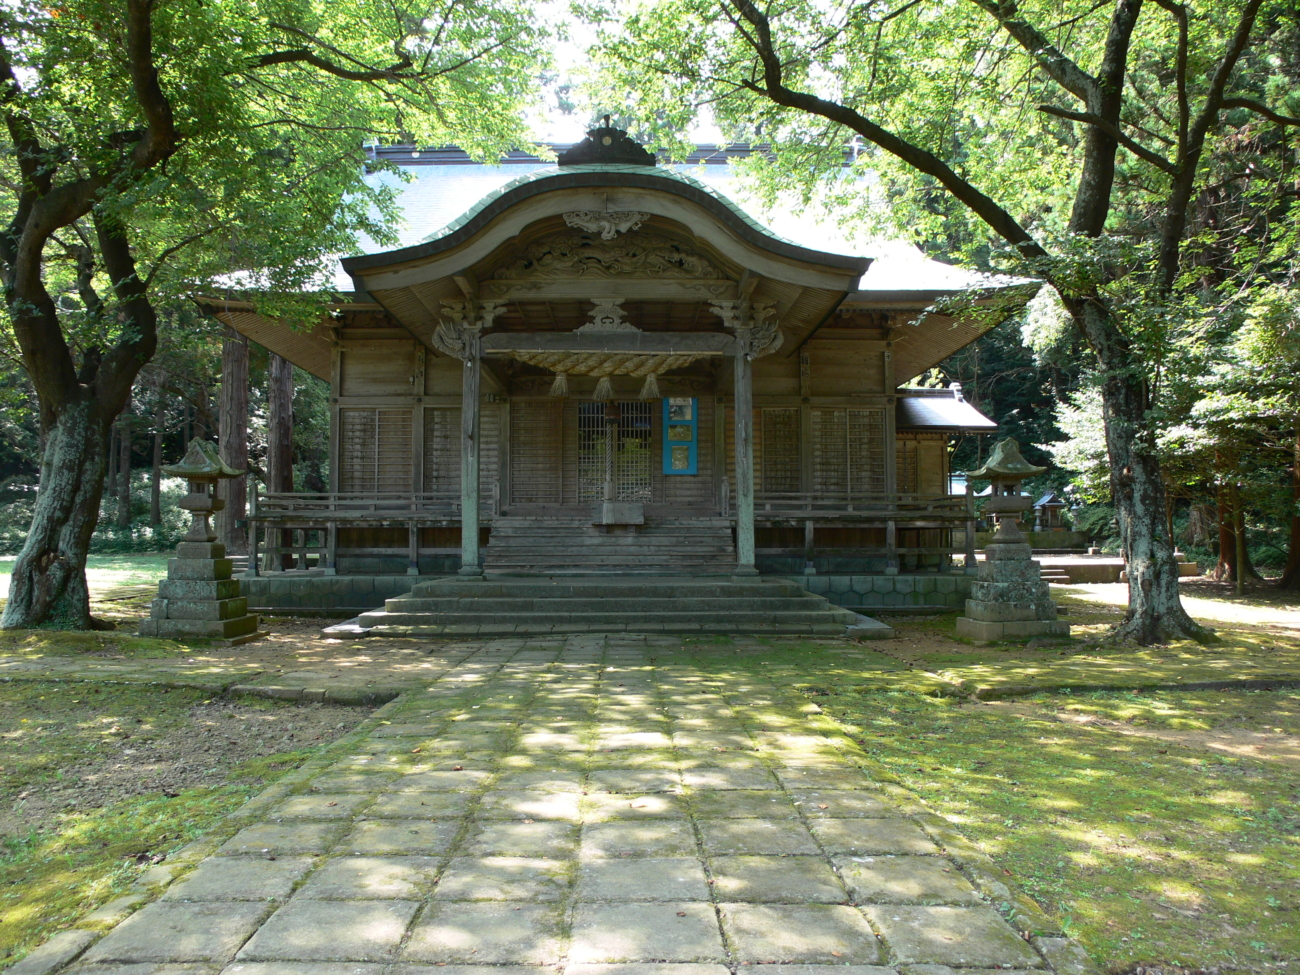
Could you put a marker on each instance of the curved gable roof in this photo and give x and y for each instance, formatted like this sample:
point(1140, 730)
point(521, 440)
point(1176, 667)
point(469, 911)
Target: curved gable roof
point(597, 176)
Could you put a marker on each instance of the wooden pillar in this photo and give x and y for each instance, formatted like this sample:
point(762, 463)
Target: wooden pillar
point(469, 443)
point(232, 421)
point(279, 434)
point(744, 400)
point(251, 571)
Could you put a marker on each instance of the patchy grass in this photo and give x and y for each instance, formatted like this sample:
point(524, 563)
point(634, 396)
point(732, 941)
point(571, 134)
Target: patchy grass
point(98, 782)
point(108, 571)
point(69, 643)
point(1110, 808)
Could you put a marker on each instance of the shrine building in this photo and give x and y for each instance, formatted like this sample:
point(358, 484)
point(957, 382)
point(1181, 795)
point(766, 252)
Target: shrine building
point(606, 367)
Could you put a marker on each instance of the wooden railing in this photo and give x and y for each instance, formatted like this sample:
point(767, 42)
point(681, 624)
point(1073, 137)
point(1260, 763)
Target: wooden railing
point(949, 514)
point(302, 530)
point(770, 506)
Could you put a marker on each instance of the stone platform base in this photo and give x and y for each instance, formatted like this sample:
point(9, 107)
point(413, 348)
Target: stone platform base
point(983, 631)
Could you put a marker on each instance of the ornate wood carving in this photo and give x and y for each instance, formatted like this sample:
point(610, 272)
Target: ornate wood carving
point(460, 332)
point(609, 224)
point(608, 317)
point(758, 333)
point(584, 255)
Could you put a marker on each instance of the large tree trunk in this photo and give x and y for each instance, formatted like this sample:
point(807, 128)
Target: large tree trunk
point(279, 440)
point(1155, 611)
point(49, 580)
point(1291, 573)
point(233, 426)
point(124, 469)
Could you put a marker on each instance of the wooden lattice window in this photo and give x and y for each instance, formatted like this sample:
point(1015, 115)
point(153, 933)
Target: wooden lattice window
point(849, 452)
point(375, 451)
point(779, 440)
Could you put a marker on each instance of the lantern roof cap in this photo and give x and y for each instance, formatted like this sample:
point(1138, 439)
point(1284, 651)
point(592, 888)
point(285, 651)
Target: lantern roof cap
point(201, 462)
point(1005, 463)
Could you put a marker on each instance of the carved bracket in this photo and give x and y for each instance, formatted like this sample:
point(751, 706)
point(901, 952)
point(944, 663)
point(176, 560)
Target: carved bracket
point(609, 224)
point(758, 333)
point(459, 333)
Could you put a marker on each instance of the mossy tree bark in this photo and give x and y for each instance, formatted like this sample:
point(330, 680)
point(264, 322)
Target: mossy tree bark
point(232, 422)
point(1291, 572)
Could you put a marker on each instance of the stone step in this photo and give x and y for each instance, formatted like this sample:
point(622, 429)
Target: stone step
point(601, 586)
point(536, 629)
point(603, 618)
point(561, 604)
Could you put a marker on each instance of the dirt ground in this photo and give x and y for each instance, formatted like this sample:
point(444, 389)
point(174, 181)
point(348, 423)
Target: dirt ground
point(77, 754)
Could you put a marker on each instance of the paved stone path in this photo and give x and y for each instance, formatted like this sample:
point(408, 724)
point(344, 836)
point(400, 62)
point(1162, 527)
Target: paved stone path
point(575, 806)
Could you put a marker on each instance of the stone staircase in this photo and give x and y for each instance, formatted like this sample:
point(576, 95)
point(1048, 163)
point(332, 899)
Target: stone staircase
point(1055, 575)
point(573, 546)
point(503, 606)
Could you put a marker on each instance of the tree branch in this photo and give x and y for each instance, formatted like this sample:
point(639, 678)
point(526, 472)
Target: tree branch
point(773, 88)
point(1259, 108)
point(306, 56)
point(1139, 150)
point(1058, 66)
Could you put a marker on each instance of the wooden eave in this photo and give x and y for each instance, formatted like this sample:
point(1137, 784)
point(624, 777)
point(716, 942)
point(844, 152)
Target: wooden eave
point(311, 351)
point(924, 338)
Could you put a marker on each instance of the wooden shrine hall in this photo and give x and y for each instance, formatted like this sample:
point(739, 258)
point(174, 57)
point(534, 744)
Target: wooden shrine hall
point(606, 367)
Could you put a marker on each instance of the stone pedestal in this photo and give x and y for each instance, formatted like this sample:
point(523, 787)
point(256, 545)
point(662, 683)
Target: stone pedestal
point(1008, 599)
point(200, 600)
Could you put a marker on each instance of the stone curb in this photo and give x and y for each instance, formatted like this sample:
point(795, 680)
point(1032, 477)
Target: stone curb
point(66, 946)
point(310, 695)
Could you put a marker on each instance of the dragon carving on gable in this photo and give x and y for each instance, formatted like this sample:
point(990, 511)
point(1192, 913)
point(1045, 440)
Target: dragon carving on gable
point(579, 255)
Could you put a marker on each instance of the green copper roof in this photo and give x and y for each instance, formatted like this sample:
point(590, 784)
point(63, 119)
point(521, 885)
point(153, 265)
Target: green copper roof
point(1006, 462)
point(550, 172)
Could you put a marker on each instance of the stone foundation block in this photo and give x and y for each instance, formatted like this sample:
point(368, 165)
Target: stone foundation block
point(1009, 571)
point(201, 609)
point(1008, 551)
point(1003, 612)
point(986, 631)
point(200, 550)
point(199, 568)
point(198, 588)
point(202, 629)
point(1009, 592)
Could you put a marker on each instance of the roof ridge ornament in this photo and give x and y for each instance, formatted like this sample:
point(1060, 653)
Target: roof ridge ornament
point(606, 144)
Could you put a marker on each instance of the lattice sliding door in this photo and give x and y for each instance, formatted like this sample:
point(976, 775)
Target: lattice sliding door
point(849, 451)
point(830, 430)
point(375, 451)
point(778, 462)
point(536, 434)
point(906, 465)
point(866, 452)
point(442, 451)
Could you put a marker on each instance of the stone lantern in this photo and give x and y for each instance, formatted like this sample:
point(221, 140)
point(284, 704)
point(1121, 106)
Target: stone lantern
point(1008, 599)
point(199, 599)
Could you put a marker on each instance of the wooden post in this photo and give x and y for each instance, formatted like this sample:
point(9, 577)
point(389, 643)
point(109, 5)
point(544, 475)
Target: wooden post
point(809, 533)
point(251, 571)
point(232, 424)
point(891, 547)
point(413, 557)
point(279, 429)
point(744, 400)
point(332, 549)
point(469, 436)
